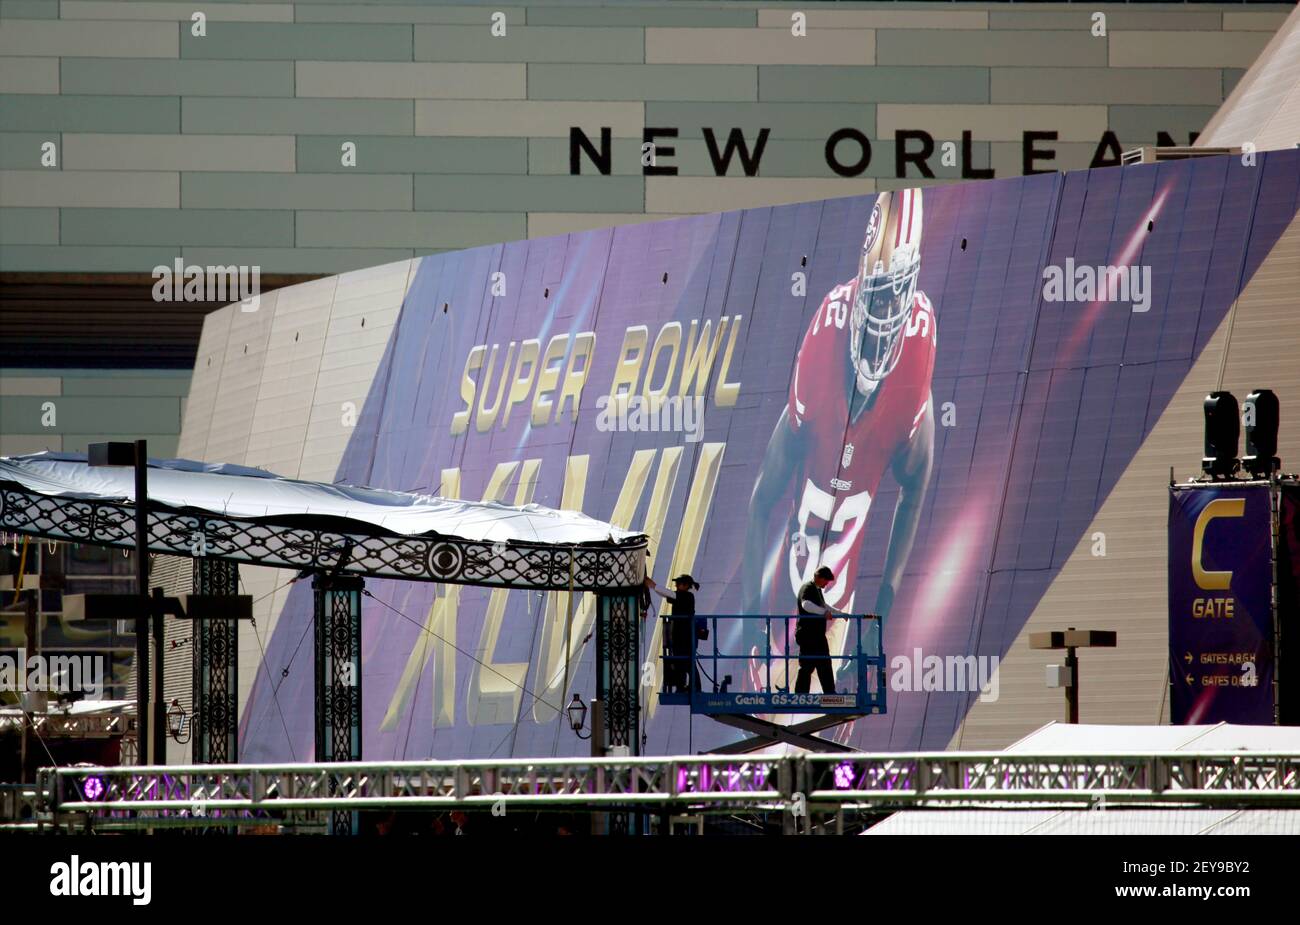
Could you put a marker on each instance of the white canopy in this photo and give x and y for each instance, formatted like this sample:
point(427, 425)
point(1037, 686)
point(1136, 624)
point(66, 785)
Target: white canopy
point(244, 493)
point(1081, 740)
point(1099, 739)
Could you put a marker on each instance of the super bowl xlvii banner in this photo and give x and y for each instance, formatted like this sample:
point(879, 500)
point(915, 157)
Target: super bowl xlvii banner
point(1220, 615)
point(930, 393)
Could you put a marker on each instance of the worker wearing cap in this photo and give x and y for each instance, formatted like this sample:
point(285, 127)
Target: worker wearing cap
point(810, 634)
point(679, 631)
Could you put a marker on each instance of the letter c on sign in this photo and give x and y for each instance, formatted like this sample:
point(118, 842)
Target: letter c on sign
point(1220, 507)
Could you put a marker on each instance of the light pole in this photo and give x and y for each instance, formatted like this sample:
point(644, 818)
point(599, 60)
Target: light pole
point(1071, 640)
point(137, 456)
point(193, 607)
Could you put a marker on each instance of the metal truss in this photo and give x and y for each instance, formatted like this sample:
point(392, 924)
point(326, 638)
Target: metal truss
point(18, 802)
point(528, 566)
point(823, 783)
point(1238, 778)
point(556, 782)
point(71, 726)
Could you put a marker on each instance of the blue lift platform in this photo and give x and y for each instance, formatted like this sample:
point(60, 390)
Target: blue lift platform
point(733, 692)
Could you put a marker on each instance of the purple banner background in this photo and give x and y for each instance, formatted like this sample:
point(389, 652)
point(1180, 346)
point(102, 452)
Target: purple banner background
point(1051, 401)
point(1211, 654)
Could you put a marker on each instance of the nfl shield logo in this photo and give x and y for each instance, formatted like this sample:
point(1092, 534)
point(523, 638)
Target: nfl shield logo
point(873, 229)
point(847, 457)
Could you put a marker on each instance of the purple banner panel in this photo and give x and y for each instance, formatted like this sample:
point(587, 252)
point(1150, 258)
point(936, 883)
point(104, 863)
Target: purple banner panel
point(1220, 619)
point(929, 392)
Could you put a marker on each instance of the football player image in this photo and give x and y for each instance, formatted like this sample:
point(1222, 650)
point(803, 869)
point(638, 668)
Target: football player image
point(859, 404)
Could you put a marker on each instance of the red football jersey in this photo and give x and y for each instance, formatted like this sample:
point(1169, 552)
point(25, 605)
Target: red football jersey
point(848, 442)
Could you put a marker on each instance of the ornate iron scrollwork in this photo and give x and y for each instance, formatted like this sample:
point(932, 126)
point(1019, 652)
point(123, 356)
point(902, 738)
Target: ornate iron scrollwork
point(216, 668)
point(527, 566)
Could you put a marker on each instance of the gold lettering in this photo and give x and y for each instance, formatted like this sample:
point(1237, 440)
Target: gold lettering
point(698, 502)
point(1220, 507)
point(554, 647)
point(494, 687)
point(697, 361)
point(487, 416)
point(548, 378)
point(523, 382)
point(628, 371)
point(670, 339)
point(656, 514)
point(438, 635)
point(727, 392)
point(576, 379)
point(460, 420)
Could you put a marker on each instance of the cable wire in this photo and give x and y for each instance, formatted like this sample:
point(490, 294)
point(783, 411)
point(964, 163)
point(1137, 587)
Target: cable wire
point(469, 655)
point(275, 690)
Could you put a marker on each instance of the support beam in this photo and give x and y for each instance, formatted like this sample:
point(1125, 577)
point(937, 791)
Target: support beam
point(215, 648)
point(693, 783)
point(150, 752)
point(338, 678)
point(769, 733)
point(618, 672)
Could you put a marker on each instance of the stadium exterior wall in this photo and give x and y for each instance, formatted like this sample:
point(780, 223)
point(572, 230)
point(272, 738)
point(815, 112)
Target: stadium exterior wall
point(227, 148)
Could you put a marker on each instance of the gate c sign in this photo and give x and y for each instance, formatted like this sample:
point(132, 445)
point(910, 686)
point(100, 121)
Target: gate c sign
point(1220, 615)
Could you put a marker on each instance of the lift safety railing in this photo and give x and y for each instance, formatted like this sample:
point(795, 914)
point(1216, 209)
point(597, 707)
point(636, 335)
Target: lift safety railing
point(765, 681)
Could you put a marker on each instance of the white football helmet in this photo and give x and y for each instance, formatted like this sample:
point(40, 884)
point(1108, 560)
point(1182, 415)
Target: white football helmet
point(887, 274)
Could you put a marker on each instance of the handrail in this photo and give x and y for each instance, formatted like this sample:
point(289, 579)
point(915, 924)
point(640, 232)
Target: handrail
point(862, 664)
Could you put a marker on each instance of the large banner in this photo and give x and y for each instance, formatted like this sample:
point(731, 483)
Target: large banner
point(1221, 653)
point(931, 393)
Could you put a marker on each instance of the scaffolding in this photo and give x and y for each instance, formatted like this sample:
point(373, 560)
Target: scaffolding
point(791, 785)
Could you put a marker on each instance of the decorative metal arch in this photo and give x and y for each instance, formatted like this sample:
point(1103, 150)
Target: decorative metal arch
point(326, 547)
point(526, 566)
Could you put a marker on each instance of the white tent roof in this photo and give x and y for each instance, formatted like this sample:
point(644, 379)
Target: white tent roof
point(1081, 740)
point(1065, 738)
point(244, 493)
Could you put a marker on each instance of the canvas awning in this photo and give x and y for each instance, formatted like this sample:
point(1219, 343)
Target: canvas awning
point(240, 514)
point(256, 495)
point(1080, 740)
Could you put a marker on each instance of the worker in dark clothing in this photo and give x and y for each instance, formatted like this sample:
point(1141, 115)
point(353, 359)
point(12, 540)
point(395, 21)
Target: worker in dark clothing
point(810, 634)
point(681, 629)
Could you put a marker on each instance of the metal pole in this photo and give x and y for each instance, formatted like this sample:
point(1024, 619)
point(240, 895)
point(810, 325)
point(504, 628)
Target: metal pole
point(160, 733)
point(1072, 692)
point(31, 629)
point(1274, 515)
point(598, 728)
point(599, 821)
point(338, 679)
point(142, 590)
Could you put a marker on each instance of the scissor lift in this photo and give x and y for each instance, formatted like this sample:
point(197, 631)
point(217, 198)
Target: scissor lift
point(859, 681)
